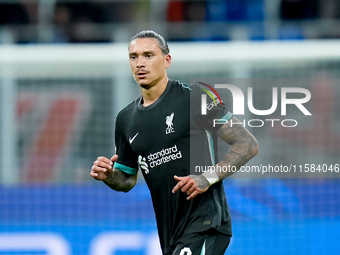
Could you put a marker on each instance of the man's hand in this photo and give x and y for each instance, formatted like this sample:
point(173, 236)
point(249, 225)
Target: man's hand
point(192, 185)
point(102, 167)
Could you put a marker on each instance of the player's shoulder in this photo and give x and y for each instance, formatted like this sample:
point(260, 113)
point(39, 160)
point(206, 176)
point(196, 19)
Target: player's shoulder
point(128, 109)
point(180, 86)
point(199, 88)
point(193, 89)
point(185, 91)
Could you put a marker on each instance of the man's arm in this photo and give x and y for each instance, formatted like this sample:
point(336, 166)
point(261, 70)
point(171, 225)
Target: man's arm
point(103, 170)
point(120, 181)
point(244, 146)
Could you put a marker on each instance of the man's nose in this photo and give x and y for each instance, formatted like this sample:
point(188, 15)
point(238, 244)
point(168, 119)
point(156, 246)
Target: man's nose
point(140, 62)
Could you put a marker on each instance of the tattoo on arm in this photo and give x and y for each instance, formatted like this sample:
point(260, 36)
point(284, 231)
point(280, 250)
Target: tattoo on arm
point(201, 181)
point(120, 181)
point(244, 146)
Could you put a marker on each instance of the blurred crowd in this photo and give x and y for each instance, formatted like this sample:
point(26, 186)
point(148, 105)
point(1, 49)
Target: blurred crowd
point(63, 21)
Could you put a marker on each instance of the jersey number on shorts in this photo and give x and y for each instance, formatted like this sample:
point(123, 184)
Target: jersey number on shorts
point(185, 251)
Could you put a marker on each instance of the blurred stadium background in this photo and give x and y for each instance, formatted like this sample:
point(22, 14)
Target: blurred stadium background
point(64, 75)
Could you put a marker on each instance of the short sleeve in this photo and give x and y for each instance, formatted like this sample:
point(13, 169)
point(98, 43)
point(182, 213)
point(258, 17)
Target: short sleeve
point(215, 112)
point(127, 161)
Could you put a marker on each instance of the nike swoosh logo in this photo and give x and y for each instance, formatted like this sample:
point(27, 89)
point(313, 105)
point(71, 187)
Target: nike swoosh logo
point(133, 138)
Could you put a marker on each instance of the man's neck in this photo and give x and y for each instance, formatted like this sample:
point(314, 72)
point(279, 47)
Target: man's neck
point(150, 95)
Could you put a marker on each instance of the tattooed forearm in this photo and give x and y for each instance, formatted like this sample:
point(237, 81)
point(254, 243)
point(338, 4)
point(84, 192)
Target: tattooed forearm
point(244, 146)
point(119, 181)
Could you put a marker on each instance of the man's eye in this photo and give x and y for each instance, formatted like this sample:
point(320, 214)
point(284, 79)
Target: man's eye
point(133, 57)
point(149, 55)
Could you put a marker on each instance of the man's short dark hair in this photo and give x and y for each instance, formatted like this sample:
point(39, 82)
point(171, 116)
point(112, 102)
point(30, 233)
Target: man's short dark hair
point(152, 34)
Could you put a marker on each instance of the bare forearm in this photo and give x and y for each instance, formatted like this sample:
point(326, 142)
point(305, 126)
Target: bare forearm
point(119, 181)
point(239, 154)
point(244, 146)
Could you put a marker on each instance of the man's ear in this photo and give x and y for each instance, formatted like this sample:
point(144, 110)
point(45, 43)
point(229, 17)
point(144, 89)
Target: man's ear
point(167, 60)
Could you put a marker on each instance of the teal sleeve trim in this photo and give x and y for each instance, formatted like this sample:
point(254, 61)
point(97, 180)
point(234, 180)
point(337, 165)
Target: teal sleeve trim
point(224, 119)
point(228, 116)
point(125, 169)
